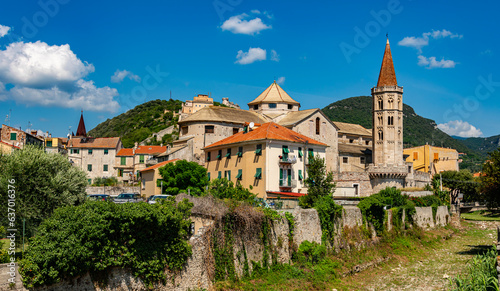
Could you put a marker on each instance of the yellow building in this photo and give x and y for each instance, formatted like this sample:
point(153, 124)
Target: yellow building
point(432, 159)
point(6, 148)
point(270, 158)
point(149, 176)
point(198, 102)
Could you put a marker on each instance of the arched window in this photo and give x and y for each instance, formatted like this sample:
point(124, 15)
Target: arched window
point(390, 120)
point(380, 135)
point(317, 125)
point(380, 104)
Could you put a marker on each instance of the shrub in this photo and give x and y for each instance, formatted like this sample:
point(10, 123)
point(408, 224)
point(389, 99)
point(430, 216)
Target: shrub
point(310, 252)
point(224, 189)
point(482, 273)
point(95, 236)
point(328, 213)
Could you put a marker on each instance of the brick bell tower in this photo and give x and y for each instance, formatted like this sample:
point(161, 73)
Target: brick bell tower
point(387, 115)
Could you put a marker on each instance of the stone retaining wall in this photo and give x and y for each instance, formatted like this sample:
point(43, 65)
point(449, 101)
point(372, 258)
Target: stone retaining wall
point(111, 190)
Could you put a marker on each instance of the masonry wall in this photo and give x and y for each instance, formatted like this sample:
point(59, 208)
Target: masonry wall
point(351, 179)
point(111, 190)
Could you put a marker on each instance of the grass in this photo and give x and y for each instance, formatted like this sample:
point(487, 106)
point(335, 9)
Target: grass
point(482, 215)
point(481, 275)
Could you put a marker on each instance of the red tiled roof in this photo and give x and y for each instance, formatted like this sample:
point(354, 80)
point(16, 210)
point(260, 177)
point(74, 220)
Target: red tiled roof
point(150, 150)
point(99, 142)
point(159, 165)
point(11, 145)
point(387, 76)
point(293, 194)
point(271, 131)
point(125, 153)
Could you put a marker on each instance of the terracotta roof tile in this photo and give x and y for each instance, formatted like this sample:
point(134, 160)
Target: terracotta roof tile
point(125, 153)
point(387, 76)
point(351, 128)
point(144, 150)
point(270, 131)
point(89, 142)
point(224, 114)
point(159, 165)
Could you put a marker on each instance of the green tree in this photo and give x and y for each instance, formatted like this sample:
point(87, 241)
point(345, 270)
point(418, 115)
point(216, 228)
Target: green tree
point(458, 182)
point(491, 180)
point(224, 189)
point(39, 183)
point(182, 176)
point(319, 183)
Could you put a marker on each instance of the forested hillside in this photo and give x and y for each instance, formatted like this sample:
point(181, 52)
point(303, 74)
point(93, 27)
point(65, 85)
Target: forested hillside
point(139, 123)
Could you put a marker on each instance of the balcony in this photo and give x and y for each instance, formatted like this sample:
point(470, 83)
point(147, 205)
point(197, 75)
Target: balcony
point(287, 185)
point(289, 159)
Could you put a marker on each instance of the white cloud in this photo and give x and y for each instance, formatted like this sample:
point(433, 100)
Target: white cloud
point(255, 11)
point(419, 42)
point(40, 65)
point(238, 25)
point(432, 63)
point(4, 30)
point(253, 55)
point(281, 80)
point(120, 75)
point(460, 128)
point(274, 56)
point(86, 96)
point(46, 75)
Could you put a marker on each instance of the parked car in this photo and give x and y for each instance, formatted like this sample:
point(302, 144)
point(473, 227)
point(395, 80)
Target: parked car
point(128, 197)
point(153, 199)
point(99, 197)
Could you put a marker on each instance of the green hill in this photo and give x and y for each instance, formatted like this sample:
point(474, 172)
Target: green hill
point(482, 145)
point(141, 122)
point(417, 130)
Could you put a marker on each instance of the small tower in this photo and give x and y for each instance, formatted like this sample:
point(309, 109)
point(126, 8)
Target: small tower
point(81, 131)
point(387, 115)
point(274, 101)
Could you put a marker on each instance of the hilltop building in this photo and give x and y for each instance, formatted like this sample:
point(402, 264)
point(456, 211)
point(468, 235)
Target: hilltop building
point(198, 102)
point(130, 162)
point(18, 137)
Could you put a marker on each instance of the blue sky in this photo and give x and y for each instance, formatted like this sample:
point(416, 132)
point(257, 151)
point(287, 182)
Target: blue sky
point(58, 57)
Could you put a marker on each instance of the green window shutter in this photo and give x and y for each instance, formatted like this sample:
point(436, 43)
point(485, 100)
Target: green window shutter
point(300, 175)
point(106, 151)
point(13, 136)
point(289, 177)
point(219, 155)
point(229, 175)
point(285, 150)
point(208, 176)
point(89, 167)
point(228, 155)
point(120, 172)
point(49, 144)
point(89, 181)
point(105, 168)
point(77, 151)
point(300, 153)
point(141, 159)
point(220, 175)
point(240, 174)
point(240, 152)
point(258, 173)
point(281, 177)
point(258, 151)
point(90, 151)
point(311, 153)
point(123, 161)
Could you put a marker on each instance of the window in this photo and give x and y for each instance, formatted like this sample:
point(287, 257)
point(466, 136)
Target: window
point(240, 174)
point(219, 155)
point(300, 153)
point(141, 159)
point(184, 130)
point(208, 174)
point(240, 152)
point(281, 177)
point(123, 161)
point(106, 151)
point(219, 175)
point(120, 172)
point(255, 107)
point(49, 144)
point(89, 167)
point(228, 154)
point(317, 125)
point(235, 130)
point(285, 151)
point(89, 181)
point(90, 151)
point(300, 175)
point(286, 177)
point(289, 178)
point(311, 153)
point(272, 105)
point(227, 175)
point(380, 135)
point(390, 120)
point(380, 104)
point(208, 157)
point(258, 151)
point(362, 160)
point(209, 129)
point(13, 136)
point(345, 160)
point(290, 106)
point(367, 142)
point(258, 173)
point(105, 168)
point(351, 141)
point(77, 151)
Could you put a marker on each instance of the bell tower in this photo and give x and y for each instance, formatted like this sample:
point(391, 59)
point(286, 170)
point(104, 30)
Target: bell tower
point(387, 115)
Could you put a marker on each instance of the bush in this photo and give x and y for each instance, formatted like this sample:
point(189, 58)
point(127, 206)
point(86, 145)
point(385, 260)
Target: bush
point(104, 181)
point(482, 273)
point(95, 236)
point(328, 213)
point(310, 252)
point(224, 189)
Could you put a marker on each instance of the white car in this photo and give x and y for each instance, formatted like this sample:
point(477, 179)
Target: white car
point(155, 198)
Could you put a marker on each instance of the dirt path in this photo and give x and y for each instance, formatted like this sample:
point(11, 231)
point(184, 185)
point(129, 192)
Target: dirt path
point(429, 269)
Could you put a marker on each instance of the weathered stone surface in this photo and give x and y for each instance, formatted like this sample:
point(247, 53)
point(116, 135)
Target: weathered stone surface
point(307, 226)
point(352, 216)
point(423, 217)
point(442, 216)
